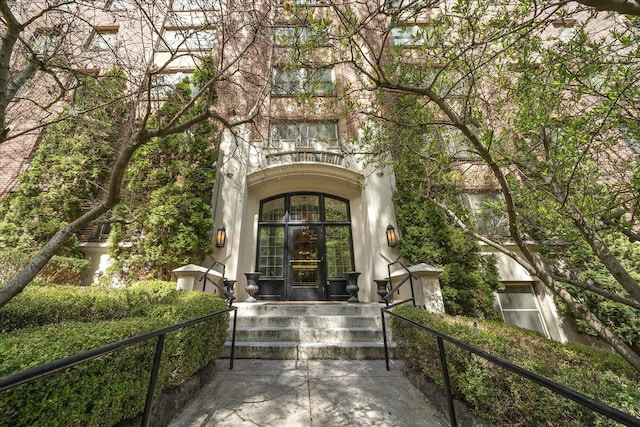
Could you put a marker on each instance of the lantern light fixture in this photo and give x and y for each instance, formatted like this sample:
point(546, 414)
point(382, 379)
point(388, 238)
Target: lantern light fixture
point(392, 238)
point(221, 236)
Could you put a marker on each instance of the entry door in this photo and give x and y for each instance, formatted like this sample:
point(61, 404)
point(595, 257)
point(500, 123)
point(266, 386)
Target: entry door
point(306, 270)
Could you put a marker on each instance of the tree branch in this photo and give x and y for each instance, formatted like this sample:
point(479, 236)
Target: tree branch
point(627, 7)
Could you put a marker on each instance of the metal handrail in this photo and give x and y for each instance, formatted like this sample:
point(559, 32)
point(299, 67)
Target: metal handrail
point(583, 400)
point(46, 369)
point(228, 296)
point(409, 278)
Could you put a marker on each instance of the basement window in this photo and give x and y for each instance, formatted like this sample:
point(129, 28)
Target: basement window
point(519, 307)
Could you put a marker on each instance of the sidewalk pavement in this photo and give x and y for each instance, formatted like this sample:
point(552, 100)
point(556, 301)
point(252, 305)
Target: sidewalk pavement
point(313, 393)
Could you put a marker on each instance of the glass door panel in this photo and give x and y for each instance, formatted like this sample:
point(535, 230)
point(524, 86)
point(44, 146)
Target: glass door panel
point(306, 268)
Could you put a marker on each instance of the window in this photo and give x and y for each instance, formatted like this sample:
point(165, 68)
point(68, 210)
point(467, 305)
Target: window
point(163, 84)
point(65, 5)
point(183, 5)
point(103, 228)
point(488, 213)
point(46, 41)
point(103, 39)
point(313, 81)
point(121, 4)
point(519, 307)
point(271, 255)
point(189, 39)
point(273, 210)
point(304, 207)
point(565, 28)
point(338, 250)
point(310, 2)
point(305, 134)
point(413, 35)
point(630, 139)
point(414, 3)
point(293, 35)
point(335, 210)
point(456, 144)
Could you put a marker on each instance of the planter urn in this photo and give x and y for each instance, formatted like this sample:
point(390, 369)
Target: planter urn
point(352, 285)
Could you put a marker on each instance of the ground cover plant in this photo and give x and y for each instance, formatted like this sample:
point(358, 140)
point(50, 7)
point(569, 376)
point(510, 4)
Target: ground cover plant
point(46, 323)
point(509, 400)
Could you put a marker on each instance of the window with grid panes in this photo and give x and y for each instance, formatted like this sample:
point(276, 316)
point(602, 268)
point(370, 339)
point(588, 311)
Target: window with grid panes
point(304, 134)
point(121, 4)
point(519, 307)
point(271, 257)
point(305, 207)
point(163, 84)
point(103, 40)
point(310, 81)
point(412, 35)
point(189, 39)
point(184, 5)
point(291, 35)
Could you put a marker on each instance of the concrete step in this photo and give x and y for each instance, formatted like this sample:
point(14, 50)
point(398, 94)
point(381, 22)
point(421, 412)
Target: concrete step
point(309, 335)
point(308, 308)
point(308, 351)
point(307, 321)
point(308, 331)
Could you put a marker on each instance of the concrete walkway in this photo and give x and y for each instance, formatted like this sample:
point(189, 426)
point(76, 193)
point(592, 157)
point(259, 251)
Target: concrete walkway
point(288, 393)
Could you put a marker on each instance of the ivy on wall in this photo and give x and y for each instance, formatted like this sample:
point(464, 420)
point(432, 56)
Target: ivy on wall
point(166, 203)
point(72, 159)
point(164, 218)
point(423, 175)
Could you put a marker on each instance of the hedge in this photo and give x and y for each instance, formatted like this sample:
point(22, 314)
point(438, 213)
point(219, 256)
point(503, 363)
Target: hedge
point(112, 388)
point(59, 270)
point(505, 398)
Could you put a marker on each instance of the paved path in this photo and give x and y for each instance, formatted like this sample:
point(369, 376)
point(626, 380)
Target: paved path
point(314, 393)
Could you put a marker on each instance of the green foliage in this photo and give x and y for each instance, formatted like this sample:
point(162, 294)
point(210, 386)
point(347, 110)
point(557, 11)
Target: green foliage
point(152, 292)
point(167, 195)
point(504, 398)
point(59, 270)
point(71, 161)
point(42, 305)
point(556, 110)
point(424, 175)
point(111, 388)
point(622, 319)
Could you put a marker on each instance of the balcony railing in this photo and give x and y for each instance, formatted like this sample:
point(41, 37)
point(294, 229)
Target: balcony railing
point(308, 156)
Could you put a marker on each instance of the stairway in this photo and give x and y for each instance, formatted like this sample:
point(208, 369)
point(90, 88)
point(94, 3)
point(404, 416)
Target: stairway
point(302, 331)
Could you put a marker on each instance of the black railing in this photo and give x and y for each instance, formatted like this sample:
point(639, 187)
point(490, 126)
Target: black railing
point(224, 286)
point(581, 399)
point(389, 295)
point(46, 369)
point(409, 279)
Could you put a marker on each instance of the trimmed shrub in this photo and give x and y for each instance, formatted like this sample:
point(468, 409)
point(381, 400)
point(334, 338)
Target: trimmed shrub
point(505, 398)
point(59, 270)
point(42, 305)
point(112, 388)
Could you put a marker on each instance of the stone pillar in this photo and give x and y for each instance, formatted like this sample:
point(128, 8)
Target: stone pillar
point(189, 279)
point(426, 287)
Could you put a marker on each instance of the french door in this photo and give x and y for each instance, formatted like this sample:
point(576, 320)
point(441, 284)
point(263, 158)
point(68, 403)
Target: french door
point(304, 247)
point(306, 270)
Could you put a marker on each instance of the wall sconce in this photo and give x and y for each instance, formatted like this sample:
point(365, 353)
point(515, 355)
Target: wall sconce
point(221, 237)
point(392, 239)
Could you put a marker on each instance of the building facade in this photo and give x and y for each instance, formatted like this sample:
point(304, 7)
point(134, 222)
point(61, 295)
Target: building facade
point(295, 201)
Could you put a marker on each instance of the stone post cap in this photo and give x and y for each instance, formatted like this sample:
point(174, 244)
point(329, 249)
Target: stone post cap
point(195, 270)
point(420, 270)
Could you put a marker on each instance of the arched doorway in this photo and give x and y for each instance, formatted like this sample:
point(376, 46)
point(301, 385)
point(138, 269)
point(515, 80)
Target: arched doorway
point(304, 247)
